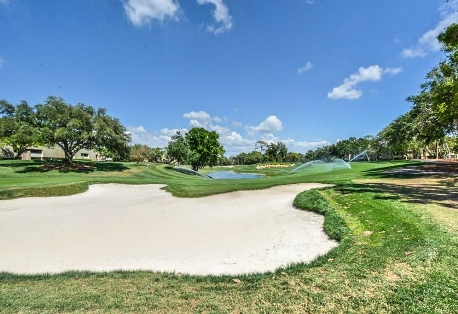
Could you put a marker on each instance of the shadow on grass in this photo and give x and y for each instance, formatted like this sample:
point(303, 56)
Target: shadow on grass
point(109, 166)
point(415, 170)
point(19, 163)
point(77, 167)
point(413, 194)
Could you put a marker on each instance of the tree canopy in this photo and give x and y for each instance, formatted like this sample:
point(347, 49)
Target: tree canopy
point(79, 127)
point(276, 151)
point(139, 152)
point(204, 148)
point(178, 149)
point(198, 147)
point(19, 126)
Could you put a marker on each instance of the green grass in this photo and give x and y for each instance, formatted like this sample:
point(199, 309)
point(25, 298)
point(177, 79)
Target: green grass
point(30, 178)
point(395, 255)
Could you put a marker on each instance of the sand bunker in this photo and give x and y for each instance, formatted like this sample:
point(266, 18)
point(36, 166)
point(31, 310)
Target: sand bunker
point(128, 227)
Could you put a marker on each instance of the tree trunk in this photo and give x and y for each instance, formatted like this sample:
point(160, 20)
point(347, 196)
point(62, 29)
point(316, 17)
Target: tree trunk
point(20, 151)
point(437, 149)
point(68, 160)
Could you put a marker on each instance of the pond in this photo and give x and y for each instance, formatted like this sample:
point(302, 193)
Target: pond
point(232, 175)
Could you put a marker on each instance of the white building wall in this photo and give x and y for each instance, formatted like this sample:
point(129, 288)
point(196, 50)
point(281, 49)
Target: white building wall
point(42, 153)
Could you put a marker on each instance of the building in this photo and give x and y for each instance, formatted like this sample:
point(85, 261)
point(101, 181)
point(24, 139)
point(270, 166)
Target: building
point(44, 153)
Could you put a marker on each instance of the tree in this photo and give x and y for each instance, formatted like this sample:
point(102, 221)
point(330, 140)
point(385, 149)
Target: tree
point(310, 155)
point(204, 148)
point(254, 157)
point(156, 154)
point(139, 153)
point(224, 161)
point(240, 159)
point(79, 127)
point(18, 127)
point(178, 149)
point(293, 157)
point(262, 145)
point(277, 151)
point(398, 134)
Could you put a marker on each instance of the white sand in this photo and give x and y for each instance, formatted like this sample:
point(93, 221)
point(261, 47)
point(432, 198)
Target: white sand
point(131, 227)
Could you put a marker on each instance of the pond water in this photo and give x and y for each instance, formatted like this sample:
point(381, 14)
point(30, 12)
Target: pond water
point(232, 175)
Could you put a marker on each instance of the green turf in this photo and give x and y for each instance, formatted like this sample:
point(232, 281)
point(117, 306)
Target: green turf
point(30, 178)
point(394, 256)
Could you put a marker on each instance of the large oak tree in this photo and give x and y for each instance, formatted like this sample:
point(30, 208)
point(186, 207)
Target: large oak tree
point(80, 127)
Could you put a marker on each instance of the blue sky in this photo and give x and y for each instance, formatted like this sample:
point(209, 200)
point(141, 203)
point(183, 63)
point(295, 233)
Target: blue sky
point(304, 72)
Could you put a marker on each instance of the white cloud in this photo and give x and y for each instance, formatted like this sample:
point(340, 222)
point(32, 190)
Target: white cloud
point(168, 133)
point(193, 123)
point(305, 146)
point(200, 116)
point(4, 1)
point(270, 124)
point(236, 124)
point(221, 16)
point(1, 62)
point(269, 138)
point(413, 52)
point(153, 139)
point(234, 142)
point(201, 119)
point(221, 130)
point(141, 12)
point(372, 73)
point(308, 66)
point(393, 71)
point(137, 130)
point(428, 41)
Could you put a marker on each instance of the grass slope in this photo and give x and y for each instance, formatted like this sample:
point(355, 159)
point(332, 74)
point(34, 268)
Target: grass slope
point(397, 254)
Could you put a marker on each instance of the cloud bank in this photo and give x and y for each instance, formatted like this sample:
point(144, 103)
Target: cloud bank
point(233, 142)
